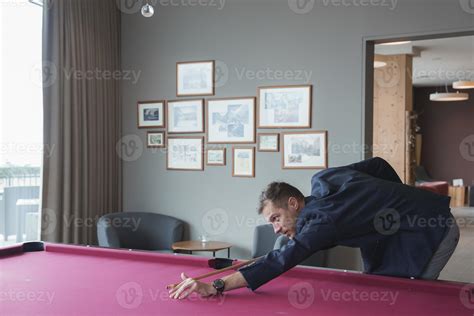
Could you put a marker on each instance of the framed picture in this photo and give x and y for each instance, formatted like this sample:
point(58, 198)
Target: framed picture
point(284, 106)
point(151, 114)
point(269, 142)
point(195, 78)
point(155, 139)
point(216, 157)
point(185, 153)
point(185, 116)
point(231, 120)
point(305, 150)
point(243, 162)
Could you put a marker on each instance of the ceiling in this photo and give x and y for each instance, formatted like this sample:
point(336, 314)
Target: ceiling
point(437, 62)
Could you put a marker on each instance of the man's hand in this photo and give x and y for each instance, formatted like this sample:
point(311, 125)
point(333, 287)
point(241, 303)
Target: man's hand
point(188, 286)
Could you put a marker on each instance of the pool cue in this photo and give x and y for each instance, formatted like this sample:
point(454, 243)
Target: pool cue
point(239, 265)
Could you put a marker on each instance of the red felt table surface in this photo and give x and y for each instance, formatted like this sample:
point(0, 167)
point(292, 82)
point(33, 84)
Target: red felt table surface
point(75, 280)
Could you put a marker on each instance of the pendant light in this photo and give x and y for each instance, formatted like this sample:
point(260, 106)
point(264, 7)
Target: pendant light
point(461, 84)
point(148, 11)
point(448, 96)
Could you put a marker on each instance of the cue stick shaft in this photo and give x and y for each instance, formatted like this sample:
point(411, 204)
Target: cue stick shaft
point(219, 271)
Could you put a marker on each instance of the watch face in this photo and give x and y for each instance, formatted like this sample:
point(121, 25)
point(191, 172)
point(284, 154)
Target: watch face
point(219, 284)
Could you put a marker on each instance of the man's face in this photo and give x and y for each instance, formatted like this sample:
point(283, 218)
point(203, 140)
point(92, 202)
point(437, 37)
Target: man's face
point(283, 220)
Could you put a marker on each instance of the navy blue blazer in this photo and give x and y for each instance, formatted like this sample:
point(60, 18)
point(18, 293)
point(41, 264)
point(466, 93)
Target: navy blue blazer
point(365, 205)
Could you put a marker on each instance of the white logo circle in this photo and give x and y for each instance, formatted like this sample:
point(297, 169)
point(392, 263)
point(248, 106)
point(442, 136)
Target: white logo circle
point(130, 6)
point(466, 148)
point(221, 74)
point(301, 295)
point(215, 221)
point(387, 221)
point(467, 6)
point(129, 148)
point(301, 6)
point(49, 221)
point(129, 295)
point(44, 74)
point(388, 76)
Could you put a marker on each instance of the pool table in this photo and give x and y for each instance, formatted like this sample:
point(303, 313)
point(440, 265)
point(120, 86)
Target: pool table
point(54, 279)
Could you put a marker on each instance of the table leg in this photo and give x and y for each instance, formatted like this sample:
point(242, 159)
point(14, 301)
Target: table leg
point(228, 253)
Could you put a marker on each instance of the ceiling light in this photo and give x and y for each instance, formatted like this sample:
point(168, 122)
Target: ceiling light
point(463, 85)
point(379, 64)
point(395, 43)
point(449, 96)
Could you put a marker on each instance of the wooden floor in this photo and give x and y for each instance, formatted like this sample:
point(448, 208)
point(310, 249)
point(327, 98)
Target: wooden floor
point(461, 265)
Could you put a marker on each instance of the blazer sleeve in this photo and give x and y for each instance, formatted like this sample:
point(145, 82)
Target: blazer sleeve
point(316, 235)
point(378, 168)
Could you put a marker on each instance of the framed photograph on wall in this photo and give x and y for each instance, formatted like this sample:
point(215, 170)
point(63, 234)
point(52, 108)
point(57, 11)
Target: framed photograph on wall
point(155, 139)
point(194, 78)
point(216, 157)
point(243, 162)
point(151, 114)
point(269, 142)
point(231, 120)
point(185, 153)
point(284, 106)
point(185, 116)
point(305, 150)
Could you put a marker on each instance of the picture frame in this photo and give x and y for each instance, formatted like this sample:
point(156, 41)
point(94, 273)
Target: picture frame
point(243, 162)
point(216, 157)
point(185, 116)
point(269, 142)
point(230, 120)
point(185, 153)
point(155, 139)
point(285, 106)
point(151, 114)
point(305, 150)
point(195, 78)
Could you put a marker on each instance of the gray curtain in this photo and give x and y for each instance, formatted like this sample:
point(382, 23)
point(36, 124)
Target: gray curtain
point(82, 118)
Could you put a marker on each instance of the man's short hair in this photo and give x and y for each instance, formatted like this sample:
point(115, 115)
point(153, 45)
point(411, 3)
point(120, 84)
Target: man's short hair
point(278, 193)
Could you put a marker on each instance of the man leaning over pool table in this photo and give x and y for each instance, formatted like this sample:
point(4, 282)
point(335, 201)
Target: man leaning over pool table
point(401, 231)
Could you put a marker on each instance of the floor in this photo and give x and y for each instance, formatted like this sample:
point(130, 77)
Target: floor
point(461, 265)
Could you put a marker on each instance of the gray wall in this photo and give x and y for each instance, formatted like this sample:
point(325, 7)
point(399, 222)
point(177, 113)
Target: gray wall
point(257, 35)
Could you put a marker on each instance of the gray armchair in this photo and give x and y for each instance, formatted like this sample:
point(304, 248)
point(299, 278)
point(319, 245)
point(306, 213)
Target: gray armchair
point(139, 230)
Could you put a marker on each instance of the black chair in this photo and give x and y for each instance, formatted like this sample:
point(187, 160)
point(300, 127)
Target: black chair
point(139, 230)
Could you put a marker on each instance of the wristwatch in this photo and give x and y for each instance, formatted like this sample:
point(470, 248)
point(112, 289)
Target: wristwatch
point(219, 285)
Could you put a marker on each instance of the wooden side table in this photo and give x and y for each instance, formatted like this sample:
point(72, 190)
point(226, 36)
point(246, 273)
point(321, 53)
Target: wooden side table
point(197, 245)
